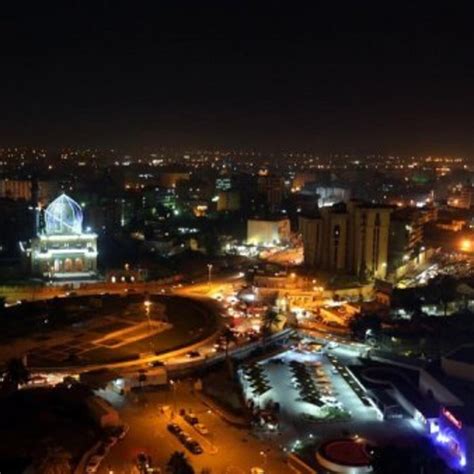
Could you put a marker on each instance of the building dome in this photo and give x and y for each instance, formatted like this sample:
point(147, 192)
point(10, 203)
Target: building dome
point(63, 216)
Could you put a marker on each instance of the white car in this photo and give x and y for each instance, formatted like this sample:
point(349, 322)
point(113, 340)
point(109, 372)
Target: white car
point(200, 428)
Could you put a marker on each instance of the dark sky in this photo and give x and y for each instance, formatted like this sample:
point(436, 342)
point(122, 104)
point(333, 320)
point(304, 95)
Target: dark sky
point(272, 76)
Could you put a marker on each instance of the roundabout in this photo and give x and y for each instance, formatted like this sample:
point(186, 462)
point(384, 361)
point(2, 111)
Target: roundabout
point(345, 456)
point(100, 330)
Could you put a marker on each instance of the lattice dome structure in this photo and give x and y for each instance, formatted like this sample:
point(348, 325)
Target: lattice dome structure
point(63, 216)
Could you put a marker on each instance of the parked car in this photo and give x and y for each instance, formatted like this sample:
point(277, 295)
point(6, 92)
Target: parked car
point(194, 447)
point(183, 436)
point(191, 418)
point(174, 428)
point(200, 428)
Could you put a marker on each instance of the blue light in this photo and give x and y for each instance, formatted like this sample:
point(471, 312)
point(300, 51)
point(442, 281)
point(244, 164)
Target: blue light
point(63, 216)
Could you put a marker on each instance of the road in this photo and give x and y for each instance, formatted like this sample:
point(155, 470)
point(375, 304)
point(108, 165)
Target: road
point(228, 450)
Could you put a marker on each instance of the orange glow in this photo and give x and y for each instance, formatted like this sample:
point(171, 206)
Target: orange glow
point(466, 245)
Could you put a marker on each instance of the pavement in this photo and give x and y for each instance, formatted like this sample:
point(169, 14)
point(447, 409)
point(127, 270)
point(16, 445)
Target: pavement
point(227, 449)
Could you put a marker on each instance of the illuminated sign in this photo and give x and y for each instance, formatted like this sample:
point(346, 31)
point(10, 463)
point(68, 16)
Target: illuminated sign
point(457, 423)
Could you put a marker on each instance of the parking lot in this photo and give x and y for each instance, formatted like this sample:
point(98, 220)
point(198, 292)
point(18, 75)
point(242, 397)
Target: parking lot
point(333, 389)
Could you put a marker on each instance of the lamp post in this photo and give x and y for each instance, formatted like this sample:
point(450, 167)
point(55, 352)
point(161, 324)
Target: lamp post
point(147, 303)
point(209, 273)
point(173, 388)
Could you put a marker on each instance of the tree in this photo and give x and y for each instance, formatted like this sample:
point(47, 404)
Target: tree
point(53, 459)
point(446, 292)
point(16, 374)
point(211, 242)
point(178, 464)
point(229, 337)
point(362, 323)
point(270, 319)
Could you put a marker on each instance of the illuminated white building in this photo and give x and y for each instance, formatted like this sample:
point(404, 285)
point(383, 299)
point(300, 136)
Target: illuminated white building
point(61, 249)
point(268, 231)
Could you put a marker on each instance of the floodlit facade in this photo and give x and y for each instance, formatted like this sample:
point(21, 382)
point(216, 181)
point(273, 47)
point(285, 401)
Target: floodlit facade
point(268, 231)
point(347, 238)
point(61, 250)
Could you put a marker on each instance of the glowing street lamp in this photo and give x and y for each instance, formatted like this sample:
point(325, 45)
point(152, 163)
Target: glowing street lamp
point(209, 272)
point(466, 245)
point(147, 304)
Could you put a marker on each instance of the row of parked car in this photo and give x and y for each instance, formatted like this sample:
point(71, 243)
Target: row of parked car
point(110, 440)
point(190, 443)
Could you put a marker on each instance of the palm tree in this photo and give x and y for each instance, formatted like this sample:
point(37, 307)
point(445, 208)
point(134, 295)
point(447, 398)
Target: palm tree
point(270, 319)
point(178, 464)
point(229, 337)
point(16, 374)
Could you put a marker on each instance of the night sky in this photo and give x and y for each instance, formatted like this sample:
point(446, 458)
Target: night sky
point(174, 73)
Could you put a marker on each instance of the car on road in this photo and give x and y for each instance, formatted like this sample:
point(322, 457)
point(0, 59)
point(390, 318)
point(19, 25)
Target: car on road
point(193, 354)
point(110, 441)
point(200, 428)
point(93, 464)
point(122, 431)
point(102, 450)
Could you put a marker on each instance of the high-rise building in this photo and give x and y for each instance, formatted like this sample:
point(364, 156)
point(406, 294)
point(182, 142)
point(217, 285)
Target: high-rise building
point(273, 189)
point(228, 201)
point(463, 199)
point(347, 238)
point(406, 235)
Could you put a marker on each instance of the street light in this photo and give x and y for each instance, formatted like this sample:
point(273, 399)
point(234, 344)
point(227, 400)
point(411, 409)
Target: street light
point(209, 275)
point(147, 303)
point(264, 456)
point(173, 394)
